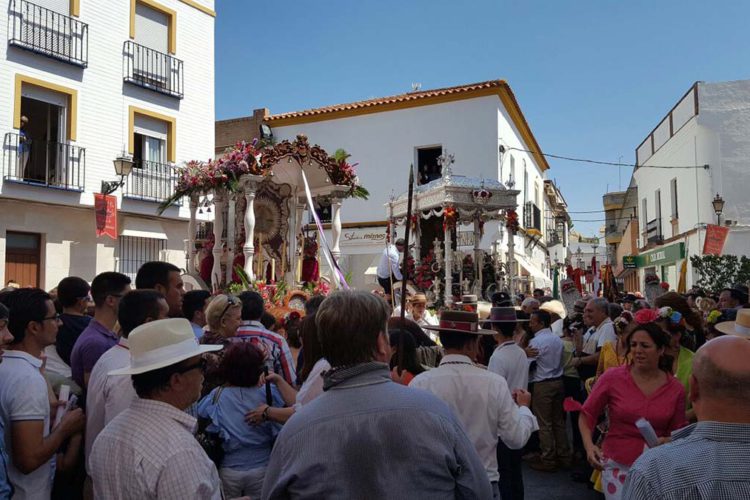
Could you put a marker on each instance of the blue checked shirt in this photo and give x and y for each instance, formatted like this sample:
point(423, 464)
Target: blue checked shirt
point(707, 460)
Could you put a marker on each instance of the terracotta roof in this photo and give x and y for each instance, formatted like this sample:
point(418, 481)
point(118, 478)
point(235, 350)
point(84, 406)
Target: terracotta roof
point(415, 99)
point(411, 96)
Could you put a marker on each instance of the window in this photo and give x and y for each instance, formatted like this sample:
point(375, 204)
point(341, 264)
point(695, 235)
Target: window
point(428, 168)
point(22, 258)
point(657, 202)
point(673, 193)
point(153, 25)
point(135, 251)
point(152, 125)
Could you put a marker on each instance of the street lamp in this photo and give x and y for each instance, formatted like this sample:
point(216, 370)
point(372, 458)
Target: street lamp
point(123, 167)
point(718, 203)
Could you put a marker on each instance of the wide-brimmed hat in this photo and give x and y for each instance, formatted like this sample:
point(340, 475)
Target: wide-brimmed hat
point(161, 343)
point(417, 298)
point(459, 322)
point(554, 307)
point(503, 315)
point(740, 326)
point(468, 300)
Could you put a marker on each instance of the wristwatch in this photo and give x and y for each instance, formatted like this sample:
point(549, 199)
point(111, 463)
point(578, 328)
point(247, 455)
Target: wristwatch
point(265, 413)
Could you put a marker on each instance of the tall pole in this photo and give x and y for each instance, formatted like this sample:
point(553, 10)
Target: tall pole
point(404, 267)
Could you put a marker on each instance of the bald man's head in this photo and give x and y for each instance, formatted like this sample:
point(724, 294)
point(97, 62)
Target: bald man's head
point(721, 369)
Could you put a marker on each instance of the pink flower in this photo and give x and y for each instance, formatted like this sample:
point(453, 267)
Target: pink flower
point(646, 316)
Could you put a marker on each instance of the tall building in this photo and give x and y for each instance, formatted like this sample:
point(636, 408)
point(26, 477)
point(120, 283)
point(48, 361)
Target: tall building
point(82, 83)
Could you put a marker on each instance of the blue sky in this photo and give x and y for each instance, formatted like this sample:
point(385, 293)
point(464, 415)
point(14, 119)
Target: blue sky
point(593, 77)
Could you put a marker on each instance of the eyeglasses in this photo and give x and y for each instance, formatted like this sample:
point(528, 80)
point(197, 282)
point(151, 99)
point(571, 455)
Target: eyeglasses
point(56, 317)
point(231, 301)
point(201, 363)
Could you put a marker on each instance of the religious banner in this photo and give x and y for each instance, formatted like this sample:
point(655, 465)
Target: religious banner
point(105, 207)
point(716, 236)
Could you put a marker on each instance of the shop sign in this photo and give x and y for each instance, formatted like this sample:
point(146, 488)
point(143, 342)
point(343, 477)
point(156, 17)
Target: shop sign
point(665, 255)
point(364, 236)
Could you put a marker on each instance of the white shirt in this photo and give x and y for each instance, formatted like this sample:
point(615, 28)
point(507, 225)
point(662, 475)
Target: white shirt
point(549, 360)
point(483, 403)
point(149, 452)
point(312, 387)
point(510, 362)
point(24, 396)
point(557, 327)
point(595, 338)
point(107, 396)
point(55, 364)
point(390, 255)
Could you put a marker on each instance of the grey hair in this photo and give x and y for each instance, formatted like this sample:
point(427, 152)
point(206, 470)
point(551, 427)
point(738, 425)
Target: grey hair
point(530, 302)
point(602, 304)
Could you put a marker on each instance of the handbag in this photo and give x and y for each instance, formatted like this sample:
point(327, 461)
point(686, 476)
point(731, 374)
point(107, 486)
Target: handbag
point(211, 442)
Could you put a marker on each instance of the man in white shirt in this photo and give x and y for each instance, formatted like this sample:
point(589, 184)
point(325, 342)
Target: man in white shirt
point(24, 397)
point(388, 265)
point(601, 330)
point(509, 361)
point(547, 394)
point(481, 399)
point(110, 395)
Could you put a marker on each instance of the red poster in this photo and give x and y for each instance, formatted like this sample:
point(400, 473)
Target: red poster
point(716, 236)
point(105, 206)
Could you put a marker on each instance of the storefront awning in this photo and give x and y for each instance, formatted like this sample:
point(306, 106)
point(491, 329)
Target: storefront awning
point(142, 228)
point(540, 279)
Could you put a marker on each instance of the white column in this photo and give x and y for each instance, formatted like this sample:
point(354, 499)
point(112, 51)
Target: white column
point(448, 293)
point(220, 199)
point(231, 215)
point(191, 234)
point(478, 255)
point(294, 251)
point(249, 185)
point(336, 233)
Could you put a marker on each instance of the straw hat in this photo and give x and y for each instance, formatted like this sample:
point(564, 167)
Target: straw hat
point(417, 298)
point(459, 322)
point(161, 343)
point(554, 307)
point(740, 326)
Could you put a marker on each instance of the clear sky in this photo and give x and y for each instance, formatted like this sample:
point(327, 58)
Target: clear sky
point(593, 77)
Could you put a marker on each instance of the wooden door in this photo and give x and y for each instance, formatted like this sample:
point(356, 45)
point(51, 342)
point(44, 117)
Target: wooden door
point(22, 258)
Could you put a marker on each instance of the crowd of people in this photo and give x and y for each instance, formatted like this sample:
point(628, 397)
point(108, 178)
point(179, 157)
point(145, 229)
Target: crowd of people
point(120, 390)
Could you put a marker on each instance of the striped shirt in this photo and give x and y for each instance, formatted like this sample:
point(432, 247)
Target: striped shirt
point(148, 452)
point(707, 460)
point(279, 356)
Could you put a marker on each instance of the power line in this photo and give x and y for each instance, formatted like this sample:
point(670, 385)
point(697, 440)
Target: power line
point(610, 163)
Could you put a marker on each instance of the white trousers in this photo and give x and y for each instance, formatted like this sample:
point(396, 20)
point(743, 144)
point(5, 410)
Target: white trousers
point(238, 483)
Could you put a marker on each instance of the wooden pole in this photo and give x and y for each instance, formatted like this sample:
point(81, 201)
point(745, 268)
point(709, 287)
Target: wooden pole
point(404, 267)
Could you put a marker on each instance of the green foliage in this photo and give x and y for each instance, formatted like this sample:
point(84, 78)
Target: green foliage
point(716, 272)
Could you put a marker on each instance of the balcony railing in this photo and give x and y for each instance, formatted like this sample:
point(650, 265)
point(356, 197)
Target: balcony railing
point(51, 164)
point(532, 217)
point(44, 31)
point(150, 181)
point(153, 70)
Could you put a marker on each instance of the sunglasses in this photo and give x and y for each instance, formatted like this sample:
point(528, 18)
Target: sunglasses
point(201, 364)
point(231, 301)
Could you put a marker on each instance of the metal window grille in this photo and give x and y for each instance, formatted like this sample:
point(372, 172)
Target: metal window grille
point(135, 251)
point(153, 70)
point(44, 31)
point(44, 163)
point(150, 181)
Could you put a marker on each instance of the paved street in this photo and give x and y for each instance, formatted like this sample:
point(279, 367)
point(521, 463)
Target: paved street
point(554, 486)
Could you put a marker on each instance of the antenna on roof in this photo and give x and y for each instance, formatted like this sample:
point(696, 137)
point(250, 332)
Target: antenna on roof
point(416, 86)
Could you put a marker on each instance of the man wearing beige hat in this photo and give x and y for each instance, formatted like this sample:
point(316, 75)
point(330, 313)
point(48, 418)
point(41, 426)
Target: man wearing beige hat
point(739, 327)
point(149, 451)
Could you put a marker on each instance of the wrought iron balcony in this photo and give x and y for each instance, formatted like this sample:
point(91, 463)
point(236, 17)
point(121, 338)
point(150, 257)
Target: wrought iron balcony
point(44, 163)
point(150, 181)
point(153, 70)
point(44, 31)
point(532, 217)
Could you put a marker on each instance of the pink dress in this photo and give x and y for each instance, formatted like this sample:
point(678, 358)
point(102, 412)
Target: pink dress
point(616, 390)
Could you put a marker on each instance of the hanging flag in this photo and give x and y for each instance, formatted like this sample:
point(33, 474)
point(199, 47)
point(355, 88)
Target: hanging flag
point(716, 236)
point(105, 208)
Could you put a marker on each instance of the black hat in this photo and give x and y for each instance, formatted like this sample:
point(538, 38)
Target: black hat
point(459, 322)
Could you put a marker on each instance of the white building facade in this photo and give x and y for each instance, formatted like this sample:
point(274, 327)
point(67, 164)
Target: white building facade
point(481, 125)
point(93, 80)
point(708, 131)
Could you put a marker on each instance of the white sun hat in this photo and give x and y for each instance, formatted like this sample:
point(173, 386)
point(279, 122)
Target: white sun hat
point(161, 343)
point(740, 327)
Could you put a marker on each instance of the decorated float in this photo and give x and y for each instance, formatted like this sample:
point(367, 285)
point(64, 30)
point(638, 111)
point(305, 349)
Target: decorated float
point(259, 195)
point(440, 208)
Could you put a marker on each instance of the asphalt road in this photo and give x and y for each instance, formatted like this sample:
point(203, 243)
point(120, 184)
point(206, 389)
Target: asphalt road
point(555, 486)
